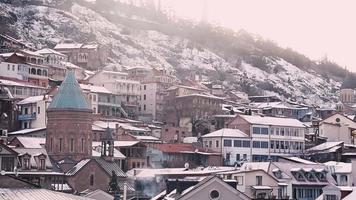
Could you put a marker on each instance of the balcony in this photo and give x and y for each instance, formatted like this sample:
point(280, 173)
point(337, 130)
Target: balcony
point(27, 117)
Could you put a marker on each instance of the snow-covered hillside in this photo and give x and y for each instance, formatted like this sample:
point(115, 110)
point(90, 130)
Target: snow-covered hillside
point(45, 26)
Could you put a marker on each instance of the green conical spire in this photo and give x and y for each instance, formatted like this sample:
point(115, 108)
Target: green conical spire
point(70, 95)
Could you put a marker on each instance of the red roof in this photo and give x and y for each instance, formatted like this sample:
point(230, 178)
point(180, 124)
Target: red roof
point(182, 148)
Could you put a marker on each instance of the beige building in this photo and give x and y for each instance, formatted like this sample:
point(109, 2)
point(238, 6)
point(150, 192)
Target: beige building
point(338, 128)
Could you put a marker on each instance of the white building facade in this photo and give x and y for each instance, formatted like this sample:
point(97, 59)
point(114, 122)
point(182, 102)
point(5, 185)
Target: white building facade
point(33, 112)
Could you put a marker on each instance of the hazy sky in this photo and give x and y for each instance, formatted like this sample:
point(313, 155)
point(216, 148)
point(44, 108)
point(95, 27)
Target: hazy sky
point(313, 27)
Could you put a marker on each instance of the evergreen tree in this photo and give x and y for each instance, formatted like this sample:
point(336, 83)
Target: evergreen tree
point(113, 185)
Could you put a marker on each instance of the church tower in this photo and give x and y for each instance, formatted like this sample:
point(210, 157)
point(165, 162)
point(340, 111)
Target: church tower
point(69, 131)
point(107, 145)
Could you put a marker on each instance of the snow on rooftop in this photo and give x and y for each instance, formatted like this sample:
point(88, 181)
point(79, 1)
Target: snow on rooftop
point(49, 51)
point(325, 146)
point(33, 99)
point(32, 142)
point(25, 131)
point(18, 83)
point(299, 160)
point(247, 166)
point(68, 46)
point(339, 167)
point(226, 132)
point(95, 89)
point(274, 121)
point(32, 53)
point(145, 137)
point(201, 95)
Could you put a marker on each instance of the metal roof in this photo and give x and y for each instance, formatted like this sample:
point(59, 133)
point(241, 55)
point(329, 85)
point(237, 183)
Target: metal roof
point(36, 194)
point(110, 166)
point(70, 95)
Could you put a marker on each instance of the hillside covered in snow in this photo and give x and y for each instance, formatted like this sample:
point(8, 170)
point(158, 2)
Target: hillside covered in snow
point(137, 36)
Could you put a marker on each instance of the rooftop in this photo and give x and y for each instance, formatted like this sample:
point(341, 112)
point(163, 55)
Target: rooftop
point(26, 131)
point(70, 95)
point(31, 142)
point(33, 99)
point(36, 194)
point(49, 51)
point(273, 121)
point(226, 132)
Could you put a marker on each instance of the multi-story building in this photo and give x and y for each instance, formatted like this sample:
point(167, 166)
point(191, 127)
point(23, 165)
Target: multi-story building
point(33, 112)
point(22, 89)
point(88, 56)
point(234, 145)
point(152, 96)
point(10, 44)
point(30, 66)
point(185, 106)
point(117, 82)
point(271, 136)
point(337, 128)
point(56, 63)
point(102, 101)
point(347, 96)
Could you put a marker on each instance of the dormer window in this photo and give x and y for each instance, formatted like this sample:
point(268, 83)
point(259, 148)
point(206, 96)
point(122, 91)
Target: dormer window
point(310, 176)
point(277, 173)
point(321, 176)
point(298, 174)
point(26, 163)
point(42, 164)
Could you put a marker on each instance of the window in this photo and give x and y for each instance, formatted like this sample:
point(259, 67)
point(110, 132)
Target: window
point(7, 164)
point(237, 143)
point(214, 194)
point(82, 144)
point(210, 144)
point(8, 67)
point(42, 164)
point(13, 67)
point(343, 179)
point(272, 144)
point(239, 180)
point(144, 107)
point(38, 110)
point(264, 131)
point(71, 144)
point(238, 157)
point(256, 130)
point(244, 156)
point(60, 144)
point(272, 131)
point(227, 143)
point(277, 131)
point(246, 144)
point(51, 144)
point(264, 145)
point(91, 180)
point(26, 163)
point(258, 180)
point(330, 197)
point(144, 97)
point(256, 144)
point(217, 143)
point(144, 87)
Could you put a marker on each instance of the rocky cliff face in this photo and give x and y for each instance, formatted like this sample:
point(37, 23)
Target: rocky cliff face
point(135, 40)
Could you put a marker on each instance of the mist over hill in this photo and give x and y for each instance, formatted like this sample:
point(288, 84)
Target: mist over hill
point(145, 35)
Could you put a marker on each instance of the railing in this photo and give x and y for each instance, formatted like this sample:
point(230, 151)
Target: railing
point(27, 117)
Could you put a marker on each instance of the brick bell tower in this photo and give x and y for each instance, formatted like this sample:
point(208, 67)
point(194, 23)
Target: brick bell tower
point(69, 131)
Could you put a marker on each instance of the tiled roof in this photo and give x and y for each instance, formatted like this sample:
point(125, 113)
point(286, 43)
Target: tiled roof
point(70, 95)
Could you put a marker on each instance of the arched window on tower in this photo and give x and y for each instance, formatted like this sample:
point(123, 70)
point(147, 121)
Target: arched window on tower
point(91, 180)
